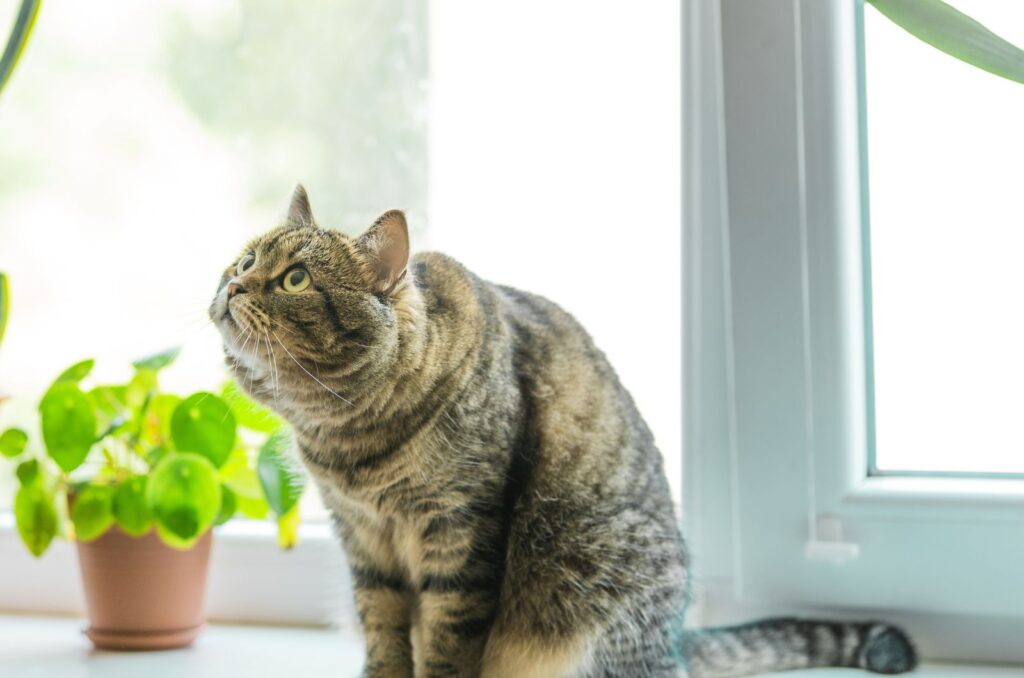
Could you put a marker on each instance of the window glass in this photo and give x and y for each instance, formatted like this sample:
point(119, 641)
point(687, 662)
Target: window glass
point(946, 154)
point(142, 143)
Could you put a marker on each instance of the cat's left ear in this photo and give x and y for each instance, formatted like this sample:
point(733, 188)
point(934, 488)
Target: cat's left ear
point(386, 242)
point(300, 214)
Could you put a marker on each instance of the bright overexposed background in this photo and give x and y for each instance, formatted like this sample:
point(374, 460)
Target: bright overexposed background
point(946, 166)
point(555, 166)
point(142, 144)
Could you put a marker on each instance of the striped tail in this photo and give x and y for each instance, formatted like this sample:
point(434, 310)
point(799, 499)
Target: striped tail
point(782, 644)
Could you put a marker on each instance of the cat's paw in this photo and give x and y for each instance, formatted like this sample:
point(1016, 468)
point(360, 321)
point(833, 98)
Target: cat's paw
point(888, 649)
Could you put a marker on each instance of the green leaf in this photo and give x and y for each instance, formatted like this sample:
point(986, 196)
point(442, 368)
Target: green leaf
point(75, 373)
point(140, 389)
point(288, 528)
point(36, 517)
point(155, 454)
point(248, 413)
point(28, 471)
point(130, 508)
point(956, 34)
point(69, 425)
point(156, 429)
point(5, 304)
point(157, 361)
point(184, 495)
point(92, 512)
point(228, 505)
point(110, 400)
point(281, 484)
point(203, 423)
point(12, 442)
point(253, 508)
point(23, 24)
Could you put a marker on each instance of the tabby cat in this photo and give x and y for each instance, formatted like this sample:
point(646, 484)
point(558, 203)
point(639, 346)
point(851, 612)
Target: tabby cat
point(500, 500)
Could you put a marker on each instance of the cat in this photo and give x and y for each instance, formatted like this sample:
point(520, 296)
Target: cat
point(499, 498)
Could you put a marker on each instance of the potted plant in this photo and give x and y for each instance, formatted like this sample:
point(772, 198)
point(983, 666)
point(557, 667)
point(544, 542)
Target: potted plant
point(138, 478)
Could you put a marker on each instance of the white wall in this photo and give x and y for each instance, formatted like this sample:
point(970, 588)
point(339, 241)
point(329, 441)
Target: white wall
point(555, 167)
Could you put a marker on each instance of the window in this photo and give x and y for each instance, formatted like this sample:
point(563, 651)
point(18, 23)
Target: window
point(153, 142)
point(784, 514)
point(944, 150)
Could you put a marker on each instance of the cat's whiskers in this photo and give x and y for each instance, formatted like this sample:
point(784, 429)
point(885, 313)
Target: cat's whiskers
point(276, 375)
point(294, 360)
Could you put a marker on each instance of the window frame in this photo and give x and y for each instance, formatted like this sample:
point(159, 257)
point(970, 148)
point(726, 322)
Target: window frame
point(785, 513)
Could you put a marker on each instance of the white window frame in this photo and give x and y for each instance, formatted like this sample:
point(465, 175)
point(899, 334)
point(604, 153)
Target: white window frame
point(782, 512)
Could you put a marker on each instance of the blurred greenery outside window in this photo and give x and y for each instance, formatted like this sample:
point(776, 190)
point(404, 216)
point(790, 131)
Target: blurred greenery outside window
point(142, 144)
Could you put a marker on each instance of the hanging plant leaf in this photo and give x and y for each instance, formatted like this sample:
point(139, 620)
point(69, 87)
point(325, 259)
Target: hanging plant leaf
point(36, 517)
point(288, 528)
point(282, 484)
point(157, 361)
point(92, 512)
point(69, 425)
point(130, 508)
point(958, 35)
point(184, 496)
point(23, 24)
point(13, 442)
point(204, 424)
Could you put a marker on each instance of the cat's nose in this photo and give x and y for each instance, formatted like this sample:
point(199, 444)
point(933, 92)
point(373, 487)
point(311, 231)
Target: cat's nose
point(235, 288)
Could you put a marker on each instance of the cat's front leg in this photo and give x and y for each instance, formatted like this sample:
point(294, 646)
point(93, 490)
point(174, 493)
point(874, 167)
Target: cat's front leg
point(384, 597)
point(384, 603)
point(457, 597)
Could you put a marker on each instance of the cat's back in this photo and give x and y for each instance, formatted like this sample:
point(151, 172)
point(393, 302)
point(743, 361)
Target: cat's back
point(578, 402)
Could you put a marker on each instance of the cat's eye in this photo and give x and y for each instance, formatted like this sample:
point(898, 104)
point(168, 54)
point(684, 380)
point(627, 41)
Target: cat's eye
point(295, 280)
point(244, 264)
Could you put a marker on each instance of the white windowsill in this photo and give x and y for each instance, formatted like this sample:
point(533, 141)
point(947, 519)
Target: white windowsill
point(45, 646)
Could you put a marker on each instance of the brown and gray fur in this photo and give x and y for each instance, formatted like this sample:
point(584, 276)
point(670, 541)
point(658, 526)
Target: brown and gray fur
point(500, 500)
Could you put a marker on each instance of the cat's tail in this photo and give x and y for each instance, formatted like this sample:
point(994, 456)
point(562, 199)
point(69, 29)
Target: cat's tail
point(781, 644)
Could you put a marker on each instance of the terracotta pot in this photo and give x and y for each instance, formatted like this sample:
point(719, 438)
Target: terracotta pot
point(142, 594)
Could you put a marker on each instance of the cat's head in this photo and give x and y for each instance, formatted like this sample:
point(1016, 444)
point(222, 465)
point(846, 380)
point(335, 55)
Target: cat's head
point(309, 299)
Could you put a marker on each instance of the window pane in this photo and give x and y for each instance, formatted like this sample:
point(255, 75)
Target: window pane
point(946, 152)
point(141, 144)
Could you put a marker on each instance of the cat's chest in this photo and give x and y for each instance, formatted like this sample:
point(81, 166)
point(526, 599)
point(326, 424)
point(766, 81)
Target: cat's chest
point(392, 538)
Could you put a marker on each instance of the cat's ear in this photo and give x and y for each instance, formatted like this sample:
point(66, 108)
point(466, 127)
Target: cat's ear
point(300, 214)
point(386, 243)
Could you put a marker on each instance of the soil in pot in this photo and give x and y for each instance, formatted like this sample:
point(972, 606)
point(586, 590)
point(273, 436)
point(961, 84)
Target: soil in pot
point(141, 594)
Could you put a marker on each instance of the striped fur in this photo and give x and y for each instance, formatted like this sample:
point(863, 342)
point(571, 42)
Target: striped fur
point(499, 498)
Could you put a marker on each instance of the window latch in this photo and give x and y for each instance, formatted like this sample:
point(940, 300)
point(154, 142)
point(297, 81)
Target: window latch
point(827, 543)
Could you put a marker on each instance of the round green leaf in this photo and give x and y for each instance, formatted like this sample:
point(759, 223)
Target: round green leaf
point(92, 512)
point(228, 505)
point(36, 517)
point(12, 442)
point(76, 372)
point(184, 495)
point(130, 508)
point(282, 485)
point(204, 424)
point(69, 425)
point(249, 414)
point(28, 471)
point(157, 361)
